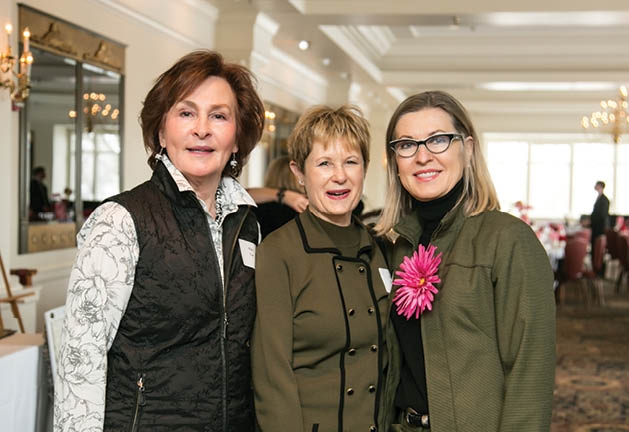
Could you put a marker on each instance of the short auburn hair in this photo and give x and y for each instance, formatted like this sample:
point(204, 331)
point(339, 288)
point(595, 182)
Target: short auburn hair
point(183, 78)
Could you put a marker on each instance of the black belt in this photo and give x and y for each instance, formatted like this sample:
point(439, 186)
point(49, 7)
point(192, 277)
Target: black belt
point(413, 418)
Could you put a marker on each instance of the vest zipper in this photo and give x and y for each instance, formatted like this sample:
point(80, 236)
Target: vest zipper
point(225, 322)
point(139, 402)
point(224, 365)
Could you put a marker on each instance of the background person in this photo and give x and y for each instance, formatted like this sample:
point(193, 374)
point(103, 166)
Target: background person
point(318, 347)
point(39, 200)
point(161, 298)
point(481, 354)
point(273, 214)
point(293, 199)
point(599, 219)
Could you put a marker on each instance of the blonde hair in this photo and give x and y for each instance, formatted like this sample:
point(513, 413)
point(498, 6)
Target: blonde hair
point(478, 195)
point(279, 176)
point(325, 124)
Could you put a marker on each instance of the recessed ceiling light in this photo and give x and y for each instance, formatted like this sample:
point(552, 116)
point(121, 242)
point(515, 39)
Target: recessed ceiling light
point(326, 61)
point(303, 45)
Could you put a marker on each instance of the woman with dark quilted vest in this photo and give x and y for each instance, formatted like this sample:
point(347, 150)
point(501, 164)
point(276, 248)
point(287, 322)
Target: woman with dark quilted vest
point(161, 299)
point(472, 345)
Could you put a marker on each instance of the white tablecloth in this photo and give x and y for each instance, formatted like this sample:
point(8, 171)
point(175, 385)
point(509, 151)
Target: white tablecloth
point(19, 382)
point(556, 254)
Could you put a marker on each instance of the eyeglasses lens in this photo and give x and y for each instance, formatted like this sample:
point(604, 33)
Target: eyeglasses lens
point(439, 143)
point(435, 144)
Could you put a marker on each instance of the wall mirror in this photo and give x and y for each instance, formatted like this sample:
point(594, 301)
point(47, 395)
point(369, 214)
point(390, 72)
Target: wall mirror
point(70, 130)
point(279, 123)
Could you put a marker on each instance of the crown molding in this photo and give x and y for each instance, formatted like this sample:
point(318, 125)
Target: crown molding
point(198, 6)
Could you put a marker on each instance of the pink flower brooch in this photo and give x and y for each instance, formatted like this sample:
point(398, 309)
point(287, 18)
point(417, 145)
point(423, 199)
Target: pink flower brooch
point(418, 275)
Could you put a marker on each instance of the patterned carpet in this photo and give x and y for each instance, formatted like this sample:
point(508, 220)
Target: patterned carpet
point(592, 376)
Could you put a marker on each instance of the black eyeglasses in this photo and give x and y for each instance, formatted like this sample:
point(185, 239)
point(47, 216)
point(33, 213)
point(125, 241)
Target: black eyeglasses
point(407, 147)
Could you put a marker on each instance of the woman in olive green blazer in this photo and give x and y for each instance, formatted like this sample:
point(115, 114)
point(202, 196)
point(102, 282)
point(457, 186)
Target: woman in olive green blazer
point(481, 354)
point(319, 343)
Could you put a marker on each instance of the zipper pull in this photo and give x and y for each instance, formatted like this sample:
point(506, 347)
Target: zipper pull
point(225, 322)
point(140, 384)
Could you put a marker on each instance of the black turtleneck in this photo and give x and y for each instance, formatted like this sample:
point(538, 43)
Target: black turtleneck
point(412, 390)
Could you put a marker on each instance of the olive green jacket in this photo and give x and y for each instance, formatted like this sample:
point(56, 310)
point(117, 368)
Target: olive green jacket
point(489, 341)
point(318, 344)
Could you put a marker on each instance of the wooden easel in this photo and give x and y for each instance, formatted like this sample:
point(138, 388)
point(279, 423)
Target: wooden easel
point(12, 300)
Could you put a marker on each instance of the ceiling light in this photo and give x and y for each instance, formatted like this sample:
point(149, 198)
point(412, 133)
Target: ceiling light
point(546, 86)
point(96, 110)
point(303, 45)
point(326, 61)
point(456, 23)
point(613, 117)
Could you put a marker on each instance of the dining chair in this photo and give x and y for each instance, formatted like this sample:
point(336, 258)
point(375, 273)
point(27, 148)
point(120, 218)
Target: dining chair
point(573, 269)
point(595, 275)
point(54, 323)
point(622, 246)
point(614, 265)
point(585, 234)
point(612, 237)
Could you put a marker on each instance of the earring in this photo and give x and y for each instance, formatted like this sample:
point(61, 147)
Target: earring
point(301, 182)
point(233, 163)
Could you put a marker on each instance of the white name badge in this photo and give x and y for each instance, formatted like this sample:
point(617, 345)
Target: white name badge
point(386, 279)
point(248, 252)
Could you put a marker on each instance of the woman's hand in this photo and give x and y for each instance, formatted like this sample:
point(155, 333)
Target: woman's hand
point(295, 200)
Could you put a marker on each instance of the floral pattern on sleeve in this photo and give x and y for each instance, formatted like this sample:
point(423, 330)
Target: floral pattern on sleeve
point(100, 286)
point(98, 293)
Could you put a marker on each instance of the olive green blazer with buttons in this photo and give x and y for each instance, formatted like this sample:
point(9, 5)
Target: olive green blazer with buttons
point(489, 341)
point(318, 345)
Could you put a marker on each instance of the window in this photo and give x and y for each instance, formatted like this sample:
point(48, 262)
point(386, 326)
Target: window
point(555, 174)
point(508, 172)
point(549, 172)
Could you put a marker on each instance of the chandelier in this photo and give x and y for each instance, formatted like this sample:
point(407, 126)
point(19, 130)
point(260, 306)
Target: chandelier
point(269, 117)
point(613, 116)
point(20, 83)
point(96, 109)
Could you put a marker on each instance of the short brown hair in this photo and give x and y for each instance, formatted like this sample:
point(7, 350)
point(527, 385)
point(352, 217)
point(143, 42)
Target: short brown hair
point(323, 123)
point(181, 79)
point(478, 194)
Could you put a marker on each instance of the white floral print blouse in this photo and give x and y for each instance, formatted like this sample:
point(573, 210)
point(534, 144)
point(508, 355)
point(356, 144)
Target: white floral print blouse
point(99, 289)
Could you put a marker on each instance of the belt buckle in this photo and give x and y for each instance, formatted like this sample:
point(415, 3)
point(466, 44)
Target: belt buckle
point(413, 418)
point(425, 419)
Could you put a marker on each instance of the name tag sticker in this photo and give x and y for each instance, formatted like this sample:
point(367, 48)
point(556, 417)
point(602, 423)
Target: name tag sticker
point(386, 279)
point(248, 252)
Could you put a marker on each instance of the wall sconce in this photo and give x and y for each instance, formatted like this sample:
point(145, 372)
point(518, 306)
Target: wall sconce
point(19, 85)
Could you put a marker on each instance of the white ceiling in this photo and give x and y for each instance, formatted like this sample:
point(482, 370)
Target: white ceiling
point(399, 47)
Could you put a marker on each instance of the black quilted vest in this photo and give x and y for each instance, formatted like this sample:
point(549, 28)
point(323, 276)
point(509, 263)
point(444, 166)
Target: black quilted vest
point(180, 360)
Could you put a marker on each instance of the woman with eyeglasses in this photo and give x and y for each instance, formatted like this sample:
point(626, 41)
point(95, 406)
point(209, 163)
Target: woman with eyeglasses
point(472, 345)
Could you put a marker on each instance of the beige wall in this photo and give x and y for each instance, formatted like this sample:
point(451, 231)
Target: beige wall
point(156, 33)
point(151, 47)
